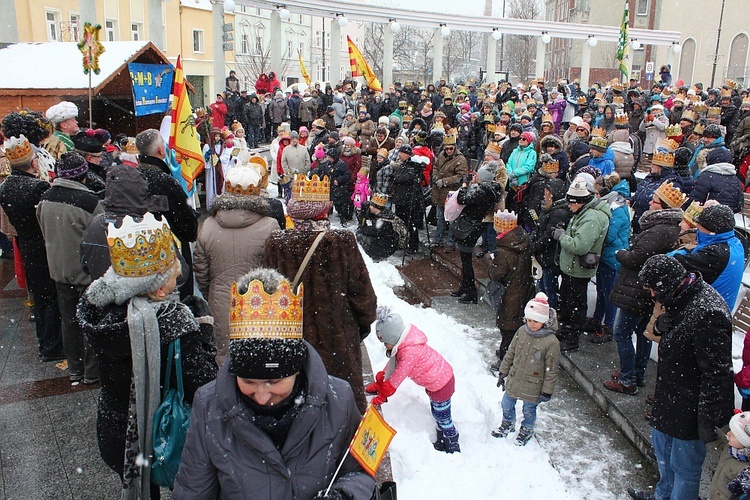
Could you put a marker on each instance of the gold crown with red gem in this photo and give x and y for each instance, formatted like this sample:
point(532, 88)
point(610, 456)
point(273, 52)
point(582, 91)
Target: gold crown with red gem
point(258, 314)
point(313, 189)
point(505, 221)
point(139, 249)
point(671, 195)
point(673, 130)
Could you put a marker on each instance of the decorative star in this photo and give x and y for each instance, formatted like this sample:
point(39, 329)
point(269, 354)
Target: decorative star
point(91, 48)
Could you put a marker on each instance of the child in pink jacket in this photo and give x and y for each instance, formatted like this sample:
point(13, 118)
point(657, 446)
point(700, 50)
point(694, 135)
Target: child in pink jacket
point(410, 356)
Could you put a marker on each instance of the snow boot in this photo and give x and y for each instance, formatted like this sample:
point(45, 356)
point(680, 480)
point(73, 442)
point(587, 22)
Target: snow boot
point(524, 436)
point(570, 343)
point(458, 293)
point(438, 444)
point(641, 494)
point(470, 297)
point(602, 335)
point(591, 325)
point(506, 427)
point(450, 444)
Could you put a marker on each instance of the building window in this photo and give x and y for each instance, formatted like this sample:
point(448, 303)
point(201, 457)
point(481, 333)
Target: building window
point(641, 8)
point(245, 44)
point(301, 49)
point(317, 39)
point(110, 29)
point(53, 26)
point(300, 18)
point(198, 41)
point(289, 48)
point(258, 44)
point(75, 22)
point(328, 40)
point(135, 29)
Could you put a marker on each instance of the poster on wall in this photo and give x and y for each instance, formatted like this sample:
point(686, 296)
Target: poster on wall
point(152, 84)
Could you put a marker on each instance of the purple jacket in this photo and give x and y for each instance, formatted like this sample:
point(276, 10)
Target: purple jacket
point(556, 110)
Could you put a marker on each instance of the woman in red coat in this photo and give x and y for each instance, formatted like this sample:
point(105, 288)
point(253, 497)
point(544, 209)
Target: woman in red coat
point(262, 84)
point(218, 112)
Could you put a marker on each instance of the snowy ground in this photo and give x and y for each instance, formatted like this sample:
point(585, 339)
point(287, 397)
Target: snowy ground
point(584, 457)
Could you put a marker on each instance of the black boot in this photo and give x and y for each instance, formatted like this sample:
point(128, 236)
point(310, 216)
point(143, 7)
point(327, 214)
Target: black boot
point(640, 494)
point(458, 293)
point(470, 297)
point(570, 344)
point(438, 444)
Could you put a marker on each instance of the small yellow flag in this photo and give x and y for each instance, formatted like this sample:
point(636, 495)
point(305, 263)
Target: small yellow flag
point(302, 68)
point(360, 67)
point(371, 440)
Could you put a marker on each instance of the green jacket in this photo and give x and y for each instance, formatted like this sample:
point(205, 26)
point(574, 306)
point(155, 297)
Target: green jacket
point(586, 233)
point(531, 365)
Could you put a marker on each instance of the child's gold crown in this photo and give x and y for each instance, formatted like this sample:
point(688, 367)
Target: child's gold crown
point(313, 189)
point(689, 115)
point(621, 119)
point(671, 195)
point(714, 111)
point(673, 130)
point(664, 153)
point(618, 100)
point(256, 314)
point(505, 221)
point(139, 249)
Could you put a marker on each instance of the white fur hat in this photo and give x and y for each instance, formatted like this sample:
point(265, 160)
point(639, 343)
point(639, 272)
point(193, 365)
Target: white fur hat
point(537, 309)
point(740, 427)
point(62, 111)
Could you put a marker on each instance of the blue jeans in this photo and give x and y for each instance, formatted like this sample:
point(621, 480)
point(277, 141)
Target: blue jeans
point(680, 464)
point(443, 232)
point(550, 284)
point(605, 310)
point(253, 136)
point(489, 237)
point(633, 361)
point(508, 405)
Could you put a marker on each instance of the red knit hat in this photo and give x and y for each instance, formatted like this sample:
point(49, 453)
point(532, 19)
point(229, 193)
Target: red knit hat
point(537, 309)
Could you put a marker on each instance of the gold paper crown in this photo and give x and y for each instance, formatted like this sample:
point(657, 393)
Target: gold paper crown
point(669, 144)
point(692, 212)
point(689, 115)
point(598, 142)
point(621, 119)
point(699, 129)
point(714, 111)
point(673, 130)
point(617, 87)
point(598, 132)
point(506, 110)
point(505, 221)
point(258, 315)
point(731, 84)
point(551, 166)
point(313, 189)
point(669, 194)
point(618, 100)
point(582, 100)
point(449, 140)
point(491, 127)
point(502, 129)
point(693, 98)
point(239, 175)
point(663, 158)
point(726, 93)
point(599, 96)
point(139, 249)
point(18, 150)
point(493, 147)
point(699, 107)
point(546, 117)
point(380, 200)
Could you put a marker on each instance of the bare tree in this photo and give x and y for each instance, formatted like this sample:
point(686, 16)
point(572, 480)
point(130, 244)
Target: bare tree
point(459, 50)
point(520, 50)
point(372, 48)
point(253, 57)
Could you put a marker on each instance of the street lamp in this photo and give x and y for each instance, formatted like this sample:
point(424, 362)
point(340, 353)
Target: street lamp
point(445, 31)
point(676, 47)
point(284, 13)
point(592, 41)
point(635, 43)
point(395, 27)
point(341, 19)
point(546, 38)
point(496, 34)
point(229, 6)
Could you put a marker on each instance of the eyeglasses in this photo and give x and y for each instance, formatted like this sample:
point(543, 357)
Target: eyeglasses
point(655, 201)
point(449, 148)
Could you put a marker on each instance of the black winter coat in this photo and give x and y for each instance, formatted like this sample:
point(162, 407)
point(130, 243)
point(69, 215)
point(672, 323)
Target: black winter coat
point(252, 113)
point(659, 232)
point(106, 329)
point(543, 245)
point(718, 182)
point(377, 236)
point(479, 200)
point(694, 382)
point(338, 172)
point(531, 206)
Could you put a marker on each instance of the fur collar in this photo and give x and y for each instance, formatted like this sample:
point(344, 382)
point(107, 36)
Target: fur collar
point(227, 201)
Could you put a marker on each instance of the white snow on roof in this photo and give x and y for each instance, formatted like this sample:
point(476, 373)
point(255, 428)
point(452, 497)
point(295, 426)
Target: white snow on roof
point(59, 65)
point(198, 4)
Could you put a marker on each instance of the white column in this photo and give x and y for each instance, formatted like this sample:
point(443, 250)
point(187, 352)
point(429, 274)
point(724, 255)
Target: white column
point(387, 57)
point(670, 60)
point(88, 12)
point(9, 22)
point(491, 59)
point(585, 65)
point(217, 22)
point(276, 35)
point(541, 54)
point(335, 52)
point(156, 23)
point(437, 56)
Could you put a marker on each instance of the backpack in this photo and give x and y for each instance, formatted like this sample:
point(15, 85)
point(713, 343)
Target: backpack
point(400, 228)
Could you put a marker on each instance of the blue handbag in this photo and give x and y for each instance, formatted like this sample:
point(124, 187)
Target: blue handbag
point(171, 422)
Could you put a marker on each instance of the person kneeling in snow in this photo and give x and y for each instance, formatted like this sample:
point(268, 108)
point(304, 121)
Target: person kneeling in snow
point(410, 356)
point(530, 367)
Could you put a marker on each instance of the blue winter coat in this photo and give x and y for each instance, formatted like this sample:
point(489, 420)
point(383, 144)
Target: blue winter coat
point(521, 163)
point(718, 182)
point(618, 235)
point(720, 259)
point(605, 163)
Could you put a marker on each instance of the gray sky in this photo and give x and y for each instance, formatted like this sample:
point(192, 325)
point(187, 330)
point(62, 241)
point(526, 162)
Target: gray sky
point(468, 7)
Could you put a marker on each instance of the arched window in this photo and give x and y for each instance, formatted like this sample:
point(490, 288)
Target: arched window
point(737, 64)
point(687, 60)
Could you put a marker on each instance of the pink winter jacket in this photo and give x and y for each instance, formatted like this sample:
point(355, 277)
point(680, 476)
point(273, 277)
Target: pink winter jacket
point(742, 378)
point(413, 358)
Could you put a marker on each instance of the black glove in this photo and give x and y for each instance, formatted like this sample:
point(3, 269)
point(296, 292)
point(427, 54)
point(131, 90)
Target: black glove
point(332, 495)
point(663, 324)
point(501, 380)
point(197, 306)
point(364, 331)
point(707, 432)
point(544, 398)
point(558, 233)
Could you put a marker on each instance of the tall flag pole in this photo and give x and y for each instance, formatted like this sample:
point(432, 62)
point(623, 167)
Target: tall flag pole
point(183, 137)
point(360, 67)
point(302, 68)
point(623, 47)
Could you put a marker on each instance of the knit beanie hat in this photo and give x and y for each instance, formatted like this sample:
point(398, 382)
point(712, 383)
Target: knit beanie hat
point(716, 219)
point(740, 427)
point(578, 192)
point(320, 153)
point(71, 166)
point(578, 149)
point(517, 127)
point(662, 273)
point(712, 130)
point(349, 141)
point(486, 172)
point(718, 155)
point(265, 327)
point(334, 154)
point(589, 179)
point(682, 156)
point(389, 326)
point(537, 309)
point(88, 142)
point(528, 137)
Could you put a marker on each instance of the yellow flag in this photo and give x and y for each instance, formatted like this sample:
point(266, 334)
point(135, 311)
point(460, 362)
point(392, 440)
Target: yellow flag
point(371, 440)
point(183, 137)
point(360, 67)
point(302, 68)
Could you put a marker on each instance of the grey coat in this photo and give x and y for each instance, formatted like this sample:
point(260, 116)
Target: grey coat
point(531, 364)
point(227, 456)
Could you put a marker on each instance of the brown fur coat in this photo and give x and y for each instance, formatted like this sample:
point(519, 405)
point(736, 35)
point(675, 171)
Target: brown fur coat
point(339, 301)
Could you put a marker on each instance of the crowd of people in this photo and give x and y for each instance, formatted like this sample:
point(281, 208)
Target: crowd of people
point(634, 189)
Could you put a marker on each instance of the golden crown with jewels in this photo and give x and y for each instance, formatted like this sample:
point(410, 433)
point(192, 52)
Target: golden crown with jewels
point(139, 249)
point(598, 132)
point(699, 129)
point(550, 166)
point(313, 189)
point(258, 314)
point(664, 153)
point(673, 130)
point(18, 150)
point(380, 200)
point(671, 195)
point(621, 119)
point(505, 221)
point(699, 107)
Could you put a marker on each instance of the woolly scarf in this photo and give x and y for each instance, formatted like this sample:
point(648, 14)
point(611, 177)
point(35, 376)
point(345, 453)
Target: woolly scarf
point(144, 398)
